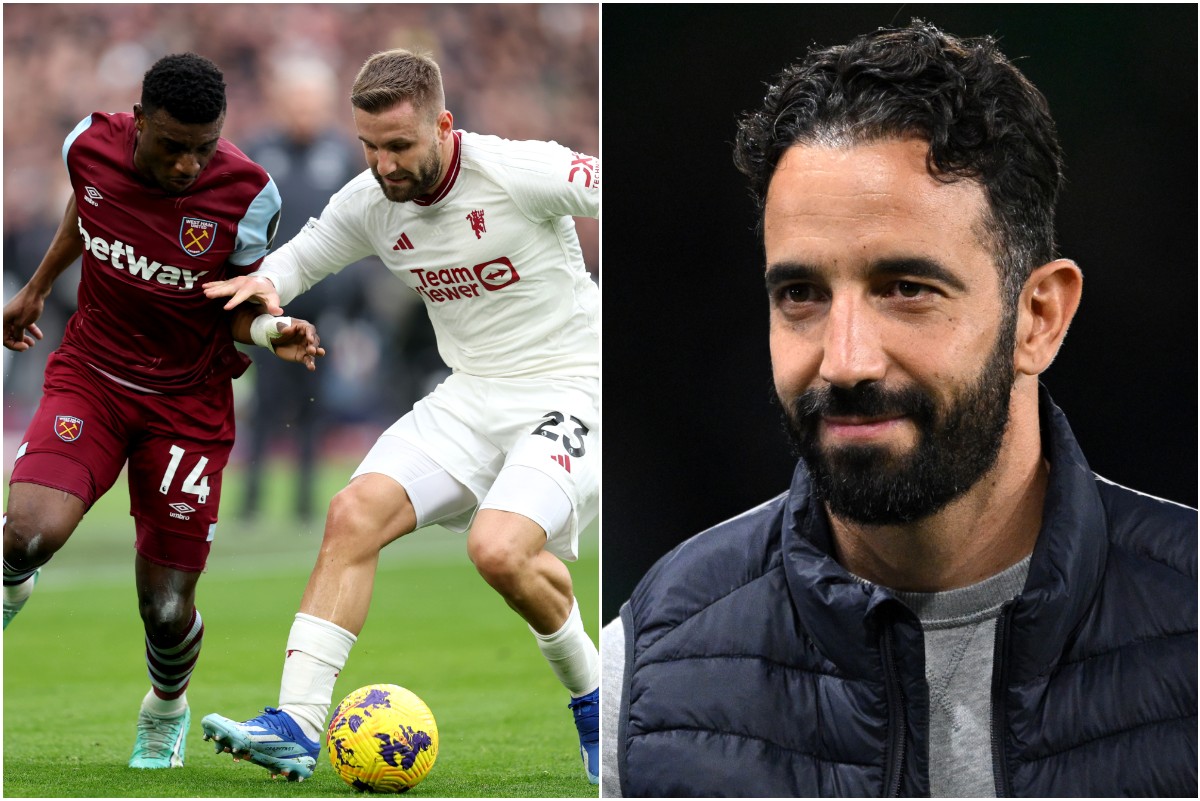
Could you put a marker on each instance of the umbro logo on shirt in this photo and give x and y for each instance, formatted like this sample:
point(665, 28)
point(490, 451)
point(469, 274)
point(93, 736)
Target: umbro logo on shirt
point(403, 243)
point(91, 194)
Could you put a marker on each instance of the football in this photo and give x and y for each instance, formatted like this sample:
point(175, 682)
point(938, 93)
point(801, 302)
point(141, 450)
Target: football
point(382, 738)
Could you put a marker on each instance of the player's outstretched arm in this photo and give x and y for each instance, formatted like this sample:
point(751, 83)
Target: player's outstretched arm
point(242, 288)
point(293, 340)
point(23, 311)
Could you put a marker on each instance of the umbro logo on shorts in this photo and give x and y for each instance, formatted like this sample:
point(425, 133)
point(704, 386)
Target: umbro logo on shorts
point(180, 511)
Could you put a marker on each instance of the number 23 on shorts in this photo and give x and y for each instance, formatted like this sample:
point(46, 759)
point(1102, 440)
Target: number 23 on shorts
point(574, 432)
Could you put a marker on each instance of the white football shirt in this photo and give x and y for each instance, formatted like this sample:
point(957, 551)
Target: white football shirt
point(493, 253)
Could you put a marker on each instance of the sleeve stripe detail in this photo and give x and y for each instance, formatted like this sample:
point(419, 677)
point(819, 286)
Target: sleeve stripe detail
point(252, 242)
point(83, 125)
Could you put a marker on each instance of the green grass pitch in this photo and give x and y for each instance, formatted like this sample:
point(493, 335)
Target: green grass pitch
point(74, 671)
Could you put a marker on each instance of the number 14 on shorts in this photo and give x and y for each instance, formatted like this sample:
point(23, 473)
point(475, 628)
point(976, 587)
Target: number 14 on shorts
point(195, 484)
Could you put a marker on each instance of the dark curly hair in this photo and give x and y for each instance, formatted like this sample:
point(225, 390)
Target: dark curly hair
point(983, 119)
point(188, 87)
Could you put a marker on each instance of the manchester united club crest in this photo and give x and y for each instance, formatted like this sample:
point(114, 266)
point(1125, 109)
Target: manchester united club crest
point(475, 218)
point(68, 428)
point(196, 235)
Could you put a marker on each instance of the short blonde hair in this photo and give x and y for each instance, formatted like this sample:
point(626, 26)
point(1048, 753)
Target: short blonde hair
point(394, 76)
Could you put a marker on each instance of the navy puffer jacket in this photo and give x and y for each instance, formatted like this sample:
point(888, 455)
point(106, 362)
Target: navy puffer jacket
point(757, 666)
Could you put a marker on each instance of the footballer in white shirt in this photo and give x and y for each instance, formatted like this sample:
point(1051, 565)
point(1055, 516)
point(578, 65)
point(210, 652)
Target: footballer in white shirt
point(507, 448)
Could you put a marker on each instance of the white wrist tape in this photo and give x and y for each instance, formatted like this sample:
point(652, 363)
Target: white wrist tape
point(264, 329)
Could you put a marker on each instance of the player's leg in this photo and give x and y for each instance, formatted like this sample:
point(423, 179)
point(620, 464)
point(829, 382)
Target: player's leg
point(38, 522)
point(396, 489)
point(71, 454)
point(529, 520)
point(508, 549)
point(370, 512)
point(174, 634)
point(175, 477)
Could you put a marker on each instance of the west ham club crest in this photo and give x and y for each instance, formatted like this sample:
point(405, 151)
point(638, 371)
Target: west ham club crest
point(68, 428)
point(196, 235)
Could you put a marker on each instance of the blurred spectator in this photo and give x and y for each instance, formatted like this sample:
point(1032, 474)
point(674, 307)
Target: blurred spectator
point(310, 159)
point(518, 71)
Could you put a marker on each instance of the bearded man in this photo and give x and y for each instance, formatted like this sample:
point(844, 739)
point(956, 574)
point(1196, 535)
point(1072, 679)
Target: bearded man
point(946, 601)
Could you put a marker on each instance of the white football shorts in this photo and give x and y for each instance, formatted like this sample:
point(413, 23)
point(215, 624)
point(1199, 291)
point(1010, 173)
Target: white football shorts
point(449, 450)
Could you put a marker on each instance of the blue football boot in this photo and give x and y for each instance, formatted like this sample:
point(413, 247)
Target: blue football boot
point(272, 740)
point(587, 721)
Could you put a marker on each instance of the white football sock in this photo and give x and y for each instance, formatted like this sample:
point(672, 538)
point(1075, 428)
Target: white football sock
point(159, 708)
point(572, 654)
point(317, 651)
point(16, 595)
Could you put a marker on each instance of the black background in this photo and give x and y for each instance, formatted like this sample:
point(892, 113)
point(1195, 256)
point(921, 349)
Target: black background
point(691, 437)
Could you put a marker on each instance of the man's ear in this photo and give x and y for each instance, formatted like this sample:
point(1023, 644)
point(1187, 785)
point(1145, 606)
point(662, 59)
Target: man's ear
point(445, 124)
point(1044, 312)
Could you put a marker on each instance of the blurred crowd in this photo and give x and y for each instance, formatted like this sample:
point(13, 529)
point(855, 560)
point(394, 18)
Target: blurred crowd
point(516, 71)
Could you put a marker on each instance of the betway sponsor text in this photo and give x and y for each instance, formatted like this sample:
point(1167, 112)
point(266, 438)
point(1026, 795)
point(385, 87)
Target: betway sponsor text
point(123, 257)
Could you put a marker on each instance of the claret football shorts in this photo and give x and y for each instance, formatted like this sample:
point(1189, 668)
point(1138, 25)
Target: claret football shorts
point(87, 427)
point(472, 427)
